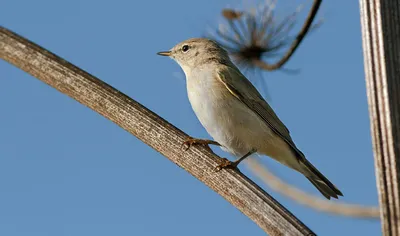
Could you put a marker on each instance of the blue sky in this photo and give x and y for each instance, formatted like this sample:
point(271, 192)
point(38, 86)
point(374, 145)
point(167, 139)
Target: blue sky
point(66, 170)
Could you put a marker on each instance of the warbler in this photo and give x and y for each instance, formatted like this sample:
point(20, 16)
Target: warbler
point(235, 114)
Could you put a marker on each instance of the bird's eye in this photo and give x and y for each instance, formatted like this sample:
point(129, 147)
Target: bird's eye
point(185, 48)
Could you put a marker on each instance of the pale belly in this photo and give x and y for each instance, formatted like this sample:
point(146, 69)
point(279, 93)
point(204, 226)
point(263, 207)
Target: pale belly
point(233, 124)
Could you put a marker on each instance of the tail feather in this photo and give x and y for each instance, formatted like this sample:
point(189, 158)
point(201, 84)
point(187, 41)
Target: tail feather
point(320, 181)
point(323, 188)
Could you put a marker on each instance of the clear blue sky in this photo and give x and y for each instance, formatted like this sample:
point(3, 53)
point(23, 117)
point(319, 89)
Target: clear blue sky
point(65, 170)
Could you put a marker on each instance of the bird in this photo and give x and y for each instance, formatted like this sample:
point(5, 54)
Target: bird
point(235, 114)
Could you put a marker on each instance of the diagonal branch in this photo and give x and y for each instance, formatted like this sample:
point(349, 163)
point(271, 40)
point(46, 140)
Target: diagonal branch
point(236, 188)
point(306, 26)
point(317, 203)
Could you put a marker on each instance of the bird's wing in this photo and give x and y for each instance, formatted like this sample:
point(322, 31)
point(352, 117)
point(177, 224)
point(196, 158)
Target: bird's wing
point(240, 87)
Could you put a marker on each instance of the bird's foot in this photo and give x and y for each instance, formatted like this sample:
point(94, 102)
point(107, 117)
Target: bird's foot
point(203, 142)
point(225, 163)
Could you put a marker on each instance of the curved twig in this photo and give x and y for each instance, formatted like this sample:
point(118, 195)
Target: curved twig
point(265, 66)
point(317, 203)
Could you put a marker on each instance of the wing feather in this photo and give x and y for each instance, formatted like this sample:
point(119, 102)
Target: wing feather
point(240, 87)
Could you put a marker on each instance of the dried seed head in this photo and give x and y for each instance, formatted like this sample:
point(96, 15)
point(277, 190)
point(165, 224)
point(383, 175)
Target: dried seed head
point(254, 35)
point(230, 14)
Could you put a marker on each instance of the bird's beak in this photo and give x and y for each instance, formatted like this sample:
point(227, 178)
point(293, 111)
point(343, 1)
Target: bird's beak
point(166, 53)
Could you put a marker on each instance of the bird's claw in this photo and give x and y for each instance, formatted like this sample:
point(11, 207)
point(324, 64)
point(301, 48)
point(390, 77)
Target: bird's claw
point(225, 163)
point(192, 141)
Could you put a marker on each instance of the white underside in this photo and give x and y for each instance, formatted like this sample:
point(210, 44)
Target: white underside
point(231, 123)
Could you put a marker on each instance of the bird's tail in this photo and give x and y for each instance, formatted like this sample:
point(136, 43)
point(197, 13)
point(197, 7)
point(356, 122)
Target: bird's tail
point(319, 180)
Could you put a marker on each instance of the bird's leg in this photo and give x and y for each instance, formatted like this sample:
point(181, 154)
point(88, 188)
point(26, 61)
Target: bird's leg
point(204, 142)
point(225, 163)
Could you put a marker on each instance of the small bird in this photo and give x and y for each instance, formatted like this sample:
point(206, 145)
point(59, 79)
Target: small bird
point(235, 114)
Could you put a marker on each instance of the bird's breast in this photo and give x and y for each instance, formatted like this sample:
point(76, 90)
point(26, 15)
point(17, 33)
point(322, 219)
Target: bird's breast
point(226, 119)
point(210, 100)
